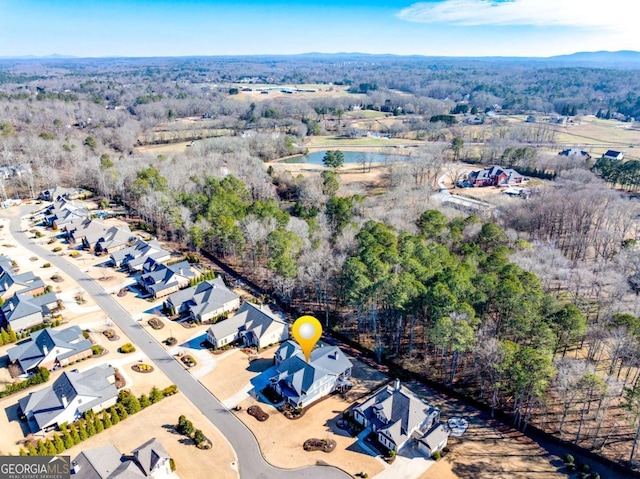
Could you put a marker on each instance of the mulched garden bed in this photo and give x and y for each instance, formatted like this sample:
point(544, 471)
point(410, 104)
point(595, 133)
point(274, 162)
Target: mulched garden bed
point(258, 413)
point(111, 335)
point(156, 323)
point(291, 412)
point(142, 368)
point(188, 360)
point(171, 341)
point(324, 445)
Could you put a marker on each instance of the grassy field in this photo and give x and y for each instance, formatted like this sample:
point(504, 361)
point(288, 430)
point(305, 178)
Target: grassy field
point(368, 114)
point(315, 143)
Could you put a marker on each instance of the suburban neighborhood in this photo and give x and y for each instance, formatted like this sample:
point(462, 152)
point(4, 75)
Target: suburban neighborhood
point(204, 320)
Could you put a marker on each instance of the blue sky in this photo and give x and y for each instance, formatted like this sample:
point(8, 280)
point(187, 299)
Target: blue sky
point(199, 27)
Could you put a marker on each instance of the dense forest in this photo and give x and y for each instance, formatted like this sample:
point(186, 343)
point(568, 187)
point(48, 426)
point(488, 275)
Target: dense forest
point(530, 307)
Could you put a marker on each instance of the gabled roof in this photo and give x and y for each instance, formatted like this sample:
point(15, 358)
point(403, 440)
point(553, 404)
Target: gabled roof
point(107, 463)
point(98, 463)
point(48, 403)
point(139, 252)
point(253, 318)
point(69, 341)
point(26, 281)
point(204, 297)
point(400, 409)
point(21, 305)
point(114, 236)
point(160, 276)
point(149, 454)
point(494, 172)
point(89, 229)
point(434, 437)
point(323, 361)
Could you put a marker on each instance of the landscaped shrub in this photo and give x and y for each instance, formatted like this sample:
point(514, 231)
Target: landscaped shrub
point(57, 249)
point(584, 468)
point(169, 391)
point(127, 348)
point(46, 265)
point(42, 376)
point(74, 254)
point(436, 455)
point(569, 459)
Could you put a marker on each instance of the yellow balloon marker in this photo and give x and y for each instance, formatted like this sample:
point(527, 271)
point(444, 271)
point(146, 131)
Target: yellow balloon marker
point(306, 331)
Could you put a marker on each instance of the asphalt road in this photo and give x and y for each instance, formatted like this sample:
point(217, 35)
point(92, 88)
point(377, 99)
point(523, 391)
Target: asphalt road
point(252, 464)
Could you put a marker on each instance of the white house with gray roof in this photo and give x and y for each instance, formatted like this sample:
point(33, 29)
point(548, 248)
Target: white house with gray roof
point(23, 311)
point(70, 396)
point(106, 462)
point(301, 382)
point(252, 325)
point(134, 257)
point(204, 301)
point(160, 280)
point(49, 348)
point(399, 417)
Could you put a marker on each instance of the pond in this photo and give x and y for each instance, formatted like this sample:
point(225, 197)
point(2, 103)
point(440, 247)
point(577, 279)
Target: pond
point(315, 158)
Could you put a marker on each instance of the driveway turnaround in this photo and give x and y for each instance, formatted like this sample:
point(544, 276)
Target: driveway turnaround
point(252, 464)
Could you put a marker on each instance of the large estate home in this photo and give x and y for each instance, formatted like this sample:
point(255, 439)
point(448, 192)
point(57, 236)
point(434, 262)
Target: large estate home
point(496, 176)
point(203, 302)
point(69, 397)
point(134, 257)
point(23, 311)
point(399, 418)
point(302, 383)
point(252, 325)
point(50, 348)
point(148, 460)
point(158, 280)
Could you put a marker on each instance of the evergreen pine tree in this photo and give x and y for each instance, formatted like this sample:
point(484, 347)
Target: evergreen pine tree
point(91, 426)
point(13, 337)
point(156, 395)
point(6, 339)
point(144, 401)
point(82, 431)
point(59, 443)
point(23, 452)
point(106, 422)
point(122, 412)
point(32, 451)
point(75, 437)
point(67, 440)
point(42, 449)
point(115, 419)
point(51, 448)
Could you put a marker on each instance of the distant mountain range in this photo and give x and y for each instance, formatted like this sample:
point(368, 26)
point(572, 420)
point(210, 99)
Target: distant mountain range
point(604, 59)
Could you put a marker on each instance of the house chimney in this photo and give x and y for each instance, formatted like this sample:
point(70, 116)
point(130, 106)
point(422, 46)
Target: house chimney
point(396, 385)
point(65, 401)
point(45, 349)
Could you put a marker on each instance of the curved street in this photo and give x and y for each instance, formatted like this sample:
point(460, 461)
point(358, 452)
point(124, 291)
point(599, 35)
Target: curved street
point(252, 464)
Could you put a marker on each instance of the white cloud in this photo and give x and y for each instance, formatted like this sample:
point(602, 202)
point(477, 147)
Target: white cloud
point(610, 15)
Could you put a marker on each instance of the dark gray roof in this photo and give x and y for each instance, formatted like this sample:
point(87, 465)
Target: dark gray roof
point(612, 153)
point(47, 404)
point(98, 463)
point(114, 237)
point(402, 411)
point(323, 361)
point(254, 318)
point(29, 354)
point(28, 281)
point(203, 298)
point(160, 276)
point(20, 306)
point(435, 436)
point(107, 463)
point(149, 454)
point(139, 252)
